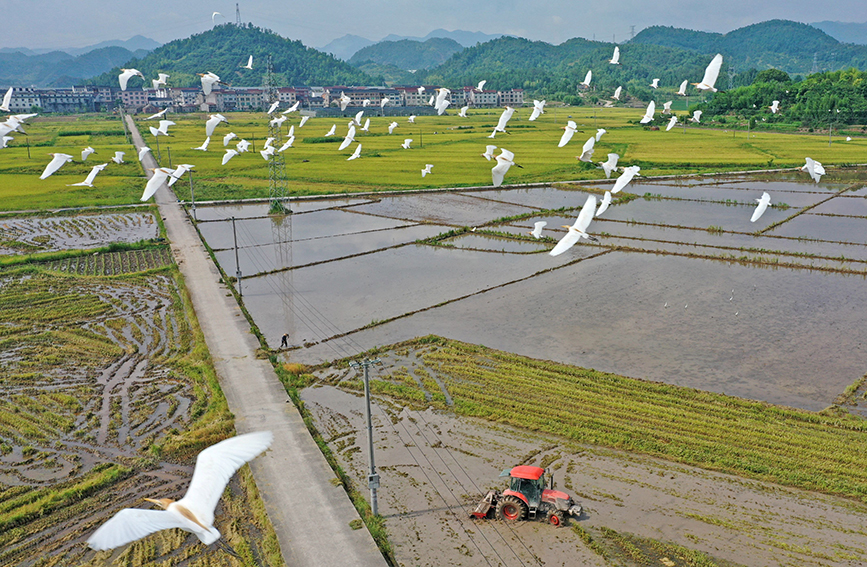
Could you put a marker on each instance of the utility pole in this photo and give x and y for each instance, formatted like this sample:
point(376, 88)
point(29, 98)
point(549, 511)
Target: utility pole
point(193, 196)
point(632, 32)
point(237, 266)
point(372, 477)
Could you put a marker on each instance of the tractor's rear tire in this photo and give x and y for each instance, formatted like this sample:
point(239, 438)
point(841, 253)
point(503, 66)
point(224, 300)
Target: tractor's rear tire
point(555, 518)
point(511, 509)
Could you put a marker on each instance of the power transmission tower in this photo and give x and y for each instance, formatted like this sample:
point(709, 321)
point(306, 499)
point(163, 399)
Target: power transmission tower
point(237, 14)
point(276, 165)
point(632, 32)
point(815, 63)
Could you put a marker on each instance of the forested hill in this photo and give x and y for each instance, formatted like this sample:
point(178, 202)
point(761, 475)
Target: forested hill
point(780, 44)
point(224, 49)
point(408, 54)
point(59, 69)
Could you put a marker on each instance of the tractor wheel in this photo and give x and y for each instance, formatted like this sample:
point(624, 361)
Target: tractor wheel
point(511, 509)
point(555, 518)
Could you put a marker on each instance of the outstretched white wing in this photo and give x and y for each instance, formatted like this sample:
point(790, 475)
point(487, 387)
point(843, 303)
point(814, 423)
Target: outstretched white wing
point(131, 524)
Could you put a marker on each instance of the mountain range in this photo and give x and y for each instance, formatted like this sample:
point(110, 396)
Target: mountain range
point(347, 46)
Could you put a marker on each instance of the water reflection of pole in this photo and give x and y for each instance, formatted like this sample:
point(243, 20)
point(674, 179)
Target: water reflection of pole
point(193, 196)
point(237, 266)
point(372, 477)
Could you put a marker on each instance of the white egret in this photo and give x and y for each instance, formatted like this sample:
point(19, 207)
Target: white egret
point(587, 150)
point(538, 108)
point(615, 59)
point(304, 120)
point(587, 78)
point(356, 154)
point(710, 74)
point(420, 89)
point(160, 80)
point(343, 101)
point(603, 206)
point(505, 160)
point(600, 132)
point(568, 130)
point(159, 114)
point(489, 152)
point(204, 146)
point(193, 513)
point(365, 103)
point(5, 140)
point(666, 107)
point(155, 182)
point(7, 100)
point(481, 86)
point(208, 81)
point(760, 209)
point(427, 169)
point(383, 102)
point(625, 178)
point(504, 119)
point(214, 15)
point(230, 153)
point(682, 90)
point(88, 181)
point(775, 107)
point(267, 152)
point(143, 152)
point(179, 172)
point(348, 139)
point(696, 116)
point(654, 84)
point(463, 112)
point(442, 102)
point(671, 123)
point(406, 143)
point(610, 165)
point(228, 138)
point(292, 108)
point(242, 146)
point(366, 127)
point(85, 153)
point(617, 92)
point(273, 107)
point(164, 126)
point(537, 229)
point(578, 230)
point(357, 118)
point(56, 163)
point(126, 75)
point(432, 100)
point(332, 130)
point(118, 157)
point(411, 119)
point(814, 168)
point(648, 114)
point(287, 144)
point(249, 65)
point(391, 127)
point(278, 121)
point(212, 122)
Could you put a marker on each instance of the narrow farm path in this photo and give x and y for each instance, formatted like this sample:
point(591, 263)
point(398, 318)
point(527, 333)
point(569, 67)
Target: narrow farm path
point(310, 512)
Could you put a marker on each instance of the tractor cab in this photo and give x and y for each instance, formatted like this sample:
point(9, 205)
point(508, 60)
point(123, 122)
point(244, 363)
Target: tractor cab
point(527, 483)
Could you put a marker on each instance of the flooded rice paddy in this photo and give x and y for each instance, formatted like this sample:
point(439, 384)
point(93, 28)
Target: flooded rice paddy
point(681, 287)
point(47, 234)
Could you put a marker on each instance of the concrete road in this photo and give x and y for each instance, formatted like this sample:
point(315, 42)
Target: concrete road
point(310, 512)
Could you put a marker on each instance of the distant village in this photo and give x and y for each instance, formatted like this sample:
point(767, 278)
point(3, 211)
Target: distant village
point(316, 100)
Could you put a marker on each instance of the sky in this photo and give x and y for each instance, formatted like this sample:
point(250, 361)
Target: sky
point(81, 23)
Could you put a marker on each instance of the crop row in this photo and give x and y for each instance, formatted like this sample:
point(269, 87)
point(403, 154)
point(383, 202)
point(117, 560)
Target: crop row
point(114, 263)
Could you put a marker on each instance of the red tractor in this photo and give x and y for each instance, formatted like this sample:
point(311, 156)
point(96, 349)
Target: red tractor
point(527, 499)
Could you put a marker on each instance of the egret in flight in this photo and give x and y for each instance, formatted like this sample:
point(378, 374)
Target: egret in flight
point(228, 138)
point(504, 119)
point(538, 108)
point(481, 86)
point(208, 81)
point(249, 64)
point(463, 112)
point(230, 153)
point(57, 161)
point(617, 92)
point(537, 229)
point(682, 90)
point(654, 84)
point(350, 137)
point(648, 114)
point(696, 116)
point(610, 165)
point(118, 157)
point(143, 152)
point(391, 127)
point(568, 130)
point(489, 152)
point(273, 107)
point(356, 154)
point(332, 131)
point(304, 120)
point(603, 206)
point(625, 178)
point(179, 172)
point(85, 153)
point(292, 108)
point(411, 119)
point(88, 181)
point(159, 114)
point(760, 209)
point(155, 182)
point(615, 59)
point(600, 132)
point(126, 75)
point(204, 146)
point(7, 100)
point(671, 123)
point(242, 146)
point(666, 107)
point(160, 80)
point(587, 78)
point(578, 230)
point(775, 107)
point(194, 512)
point(814, 168)
point(710, 74)
point(214, 15)
point(427, 169)
point(287, 144)
point(504, 161)
point(211, 123)
point(406, 143)
point(587, 150)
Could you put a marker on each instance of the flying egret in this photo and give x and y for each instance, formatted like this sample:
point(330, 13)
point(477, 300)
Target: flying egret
point(118, 157)
point(666, 107)
point(489, 152)
point(356, 154)
point(179, 172)
point(7, 99)
point(85, 153)
point(463, 112)
point(267, 152)
point(617, 92)
point(287, 144)
point(603, 206)
point(481, 86)
point(230, 153)
point(411, 119)
point(383, 102)
point(304, 120)
point(126, 75)
point(600, 132)
point(143, 152)
point(710, 74)
point(610, 165)
point(277, 122)
point(427, 169)
point(648, 114)
point(504, 119)
point(332, 131)
point(538, 108)
point(365, 103)
point(214, 15)
point(587, 150)
point(212, 122)
point(56, 162)
point(357, 119)
point(568, 130)
point(242, 146)
point(204, 146)
point(625, 178)
point(228, 138)
point(537, 229)
point(5, 140)
point(682, 90)
point(88, 181)
point(696, 116)
point(343, 101)
point(505, 160)
point(273, 107)
point(654, 84)
point(391, 127)
point(249, 64)
point(420, 89)
point(578, 230)
point(292, 108)
point(814, 168)
point(760, 209)
point(442, 102)
point(164, 126)
point(193, 513)
point(775, 107)
point(615, 59)
point(348, 139)
point(366, 127)
point(159, 114)
point(208, 81)
point(671, 123)
point(406, 143)
point(155, 182)
point(432, 100)
point(587, 78)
